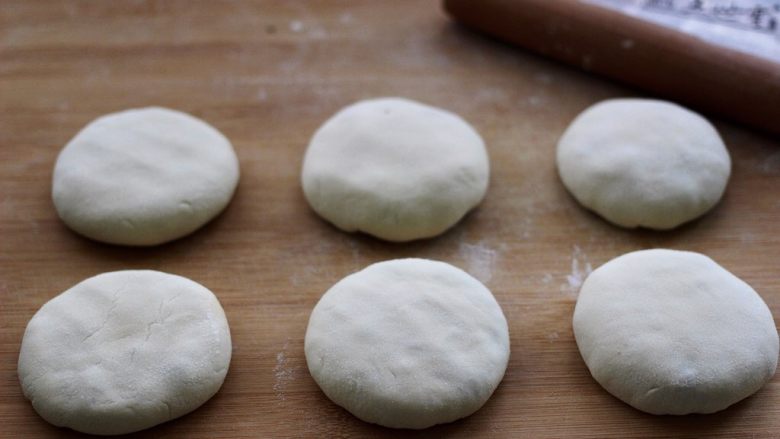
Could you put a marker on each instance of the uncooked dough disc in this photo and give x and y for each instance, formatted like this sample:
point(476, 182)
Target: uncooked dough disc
point(672, 332)
point(395, 169)
point(408, 343)
point(643, 163)
point(124, 351)
point(144, 177)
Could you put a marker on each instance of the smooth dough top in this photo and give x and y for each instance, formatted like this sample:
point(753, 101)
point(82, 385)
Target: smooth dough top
point(395, 169)
point(672, 332)
point(124, 351)
point(642, 162)
point(144, 177)
point(408, 343)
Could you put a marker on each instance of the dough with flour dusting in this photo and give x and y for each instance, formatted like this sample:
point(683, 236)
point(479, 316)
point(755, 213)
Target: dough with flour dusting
point(124, 351)
point(673, 332)
point(396, 169)
point(643, 163)
point(408, 343)
point(144, 177)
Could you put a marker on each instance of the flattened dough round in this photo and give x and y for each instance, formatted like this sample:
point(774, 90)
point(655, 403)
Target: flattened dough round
point(673, 332)
point(643, 163)
point(408, 343)
point(396, 169)
point(144, 177)
point(124, 351)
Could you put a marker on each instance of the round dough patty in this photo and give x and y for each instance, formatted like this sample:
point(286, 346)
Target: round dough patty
point(395, 169)
point(144, 177)
point(672, 332)
point(408, 343)
point(643, 163)
point(124, 351)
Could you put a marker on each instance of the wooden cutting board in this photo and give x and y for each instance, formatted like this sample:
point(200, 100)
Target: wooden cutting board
point(267, 74)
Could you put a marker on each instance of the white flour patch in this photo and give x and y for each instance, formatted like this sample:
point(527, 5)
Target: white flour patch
point(771, 165)
point(305, 275)
point(480, 260)
point(345, 18)
point(535, 101)
point(528, 222)
point(580, 269)
point(491, 95)
point(547, 278)
point(296, 26)
point(283, 372)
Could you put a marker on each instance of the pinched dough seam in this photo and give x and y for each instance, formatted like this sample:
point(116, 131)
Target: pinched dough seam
point(114, 304)
point(160, 320)
point(168, 408)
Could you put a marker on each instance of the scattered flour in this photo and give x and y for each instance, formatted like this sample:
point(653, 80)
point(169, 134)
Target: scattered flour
point(283, 371)
point(771, 165)
point(490, 95)
point(296, 26)
point(480, 260)
point(747, 238)
point(535, 101)
point(580, 269)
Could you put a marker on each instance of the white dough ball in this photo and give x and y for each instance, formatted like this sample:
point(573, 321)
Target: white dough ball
point(395, 169)
point(144, 177)
point(124, 351)
point(408, 343)
point(672, 332)
point(643, 163)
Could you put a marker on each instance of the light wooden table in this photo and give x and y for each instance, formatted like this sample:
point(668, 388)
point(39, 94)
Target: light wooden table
point(267, 74)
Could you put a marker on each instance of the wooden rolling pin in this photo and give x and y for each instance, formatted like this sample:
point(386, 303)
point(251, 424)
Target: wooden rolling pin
point(605, 37)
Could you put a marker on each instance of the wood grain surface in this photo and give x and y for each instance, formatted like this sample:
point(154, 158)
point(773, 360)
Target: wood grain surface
point(267, 74)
